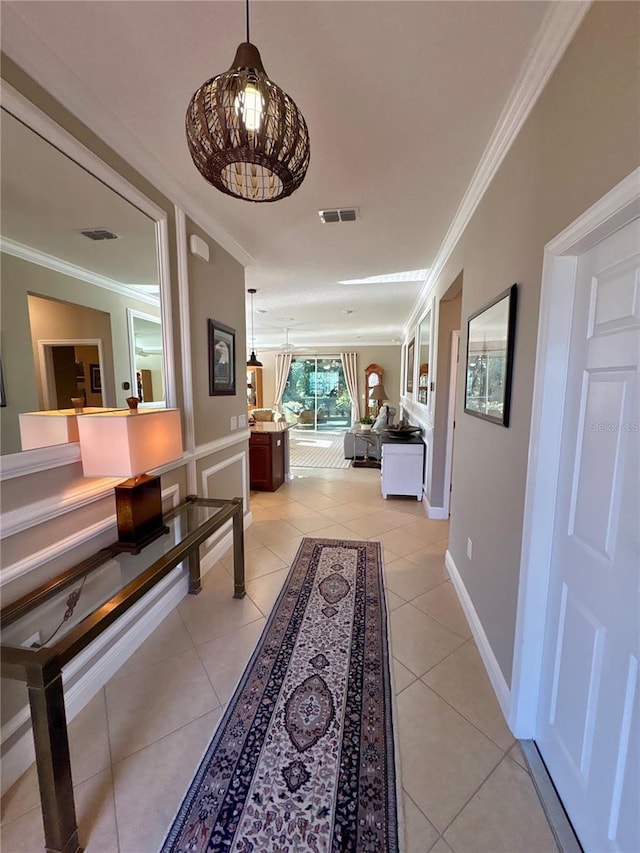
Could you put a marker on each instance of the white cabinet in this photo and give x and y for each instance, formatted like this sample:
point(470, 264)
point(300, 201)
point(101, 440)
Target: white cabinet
point(402, 467)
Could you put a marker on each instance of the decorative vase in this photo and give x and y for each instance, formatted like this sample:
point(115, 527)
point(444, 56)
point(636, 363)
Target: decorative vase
point(78, 404)
point(365, 427)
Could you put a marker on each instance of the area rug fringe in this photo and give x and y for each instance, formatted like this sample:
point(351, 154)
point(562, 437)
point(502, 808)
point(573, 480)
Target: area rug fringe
point(303, 759)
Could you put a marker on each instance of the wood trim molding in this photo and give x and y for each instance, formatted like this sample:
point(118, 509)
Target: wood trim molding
point(41, 459)
point(185, 341)
point(207, 472)
point(50, 262)
point(614, 210)
point(219, 444)
point(496, 677)
point(60, 546)
point(554, 36)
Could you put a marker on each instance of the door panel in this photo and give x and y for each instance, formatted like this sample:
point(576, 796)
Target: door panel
point(588, 712)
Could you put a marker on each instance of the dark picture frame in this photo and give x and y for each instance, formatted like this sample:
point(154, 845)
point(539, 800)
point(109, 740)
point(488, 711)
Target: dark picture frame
point(222, 359)
point(489, 364)
point(96, 378)
point(410, 365)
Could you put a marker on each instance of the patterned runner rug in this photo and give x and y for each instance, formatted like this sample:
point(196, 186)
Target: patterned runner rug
point(303, 759)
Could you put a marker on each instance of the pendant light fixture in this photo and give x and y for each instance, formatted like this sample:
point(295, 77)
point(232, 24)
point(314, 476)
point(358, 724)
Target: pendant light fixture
point(253, 360)
point(245, 135)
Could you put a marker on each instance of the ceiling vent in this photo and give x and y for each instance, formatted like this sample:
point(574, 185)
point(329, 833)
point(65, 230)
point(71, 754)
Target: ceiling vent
point(99, 234)
point(345, 214)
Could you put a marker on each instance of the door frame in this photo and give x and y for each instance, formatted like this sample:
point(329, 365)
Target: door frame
point(614, 210)
point(451, 415)
point(45, 358)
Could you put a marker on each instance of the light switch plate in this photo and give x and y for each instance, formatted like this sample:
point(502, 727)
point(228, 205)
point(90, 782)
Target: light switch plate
point(242, 420)
point(234, 422)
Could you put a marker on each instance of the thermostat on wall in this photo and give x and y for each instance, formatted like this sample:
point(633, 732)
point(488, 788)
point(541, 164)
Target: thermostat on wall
point(198, 247)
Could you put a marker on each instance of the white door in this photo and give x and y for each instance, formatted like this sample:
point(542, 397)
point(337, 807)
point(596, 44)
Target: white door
point(588, 728)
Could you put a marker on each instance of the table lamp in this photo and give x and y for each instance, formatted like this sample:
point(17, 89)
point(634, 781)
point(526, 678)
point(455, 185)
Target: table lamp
point(378, 394)
point(126, 444)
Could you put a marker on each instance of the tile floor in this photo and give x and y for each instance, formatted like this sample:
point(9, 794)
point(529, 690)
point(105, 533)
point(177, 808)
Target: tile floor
point(465, 784)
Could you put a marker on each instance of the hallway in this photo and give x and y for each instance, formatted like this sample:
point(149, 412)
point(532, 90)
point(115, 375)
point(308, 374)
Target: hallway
point(136, 746)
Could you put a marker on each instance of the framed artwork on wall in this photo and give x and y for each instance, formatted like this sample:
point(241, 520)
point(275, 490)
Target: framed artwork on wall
point(222, 359)
point(490, 346)
point(409, 366)
point(96, 379)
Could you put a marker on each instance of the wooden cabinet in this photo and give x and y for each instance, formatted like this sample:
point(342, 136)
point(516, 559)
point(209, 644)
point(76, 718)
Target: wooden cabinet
point(254, 388)
point(402, 467)
point(267, 460)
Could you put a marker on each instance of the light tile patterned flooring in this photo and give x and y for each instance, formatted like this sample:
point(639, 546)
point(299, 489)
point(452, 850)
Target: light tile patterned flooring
point(137, 744)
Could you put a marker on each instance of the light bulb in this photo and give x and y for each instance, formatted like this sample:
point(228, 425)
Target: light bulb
point(250, 104)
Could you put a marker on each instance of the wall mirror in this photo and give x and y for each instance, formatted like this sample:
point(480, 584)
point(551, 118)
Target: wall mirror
point(85, 304)
point(424, 359)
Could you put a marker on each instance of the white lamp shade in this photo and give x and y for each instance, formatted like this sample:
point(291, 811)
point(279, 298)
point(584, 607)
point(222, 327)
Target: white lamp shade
point(125, 444)
point(59, 426)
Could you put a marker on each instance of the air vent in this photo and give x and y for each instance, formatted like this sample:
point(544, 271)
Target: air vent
point(99, 234)
point(345, 214)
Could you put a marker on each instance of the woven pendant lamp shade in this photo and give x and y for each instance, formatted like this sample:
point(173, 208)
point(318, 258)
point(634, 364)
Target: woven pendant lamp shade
point(245, 135)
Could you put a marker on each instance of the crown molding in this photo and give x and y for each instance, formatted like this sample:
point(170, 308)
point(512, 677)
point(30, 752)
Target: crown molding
point(42, 259)
point(37, 59)
point(554, 36)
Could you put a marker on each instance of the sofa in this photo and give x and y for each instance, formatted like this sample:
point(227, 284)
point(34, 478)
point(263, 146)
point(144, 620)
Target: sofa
point(262, 415)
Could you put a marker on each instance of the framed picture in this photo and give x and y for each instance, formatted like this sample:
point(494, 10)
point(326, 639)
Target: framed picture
point(96, 379)
point(222, 359)
point(409, 368)
point(490, 345)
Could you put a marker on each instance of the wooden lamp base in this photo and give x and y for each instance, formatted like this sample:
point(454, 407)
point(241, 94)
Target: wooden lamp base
point(139, 513)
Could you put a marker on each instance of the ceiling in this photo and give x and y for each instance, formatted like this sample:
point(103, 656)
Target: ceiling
point(400, 98)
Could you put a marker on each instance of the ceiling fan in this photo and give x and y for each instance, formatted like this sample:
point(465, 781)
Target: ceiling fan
point(286, 346)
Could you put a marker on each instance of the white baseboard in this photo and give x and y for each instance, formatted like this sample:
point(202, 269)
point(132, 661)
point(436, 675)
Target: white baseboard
point(92, 668)
point(438, 513)
point(497, 679)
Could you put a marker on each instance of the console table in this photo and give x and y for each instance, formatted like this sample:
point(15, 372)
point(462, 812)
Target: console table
point(402, 466)
point(46, 629)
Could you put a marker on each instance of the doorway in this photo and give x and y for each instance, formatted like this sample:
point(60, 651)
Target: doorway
point(71, 369)
point(315, 395)
point(575, 685)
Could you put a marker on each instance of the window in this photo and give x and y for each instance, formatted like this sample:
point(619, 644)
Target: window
point(316, 396)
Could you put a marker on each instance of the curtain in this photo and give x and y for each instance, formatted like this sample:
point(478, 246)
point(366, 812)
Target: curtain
point(283, 363)
point(350, 367)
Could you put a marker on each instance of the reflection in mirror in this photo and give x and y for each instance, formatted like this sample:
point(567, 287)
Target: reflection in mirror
point(424, 359)
point(145, 344)
point(78, 261)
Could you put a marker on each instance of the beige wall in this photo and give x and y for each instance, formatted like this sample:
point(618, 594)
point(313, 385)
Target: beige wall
point(387, 357)
point(216, 292)
point(580, 140)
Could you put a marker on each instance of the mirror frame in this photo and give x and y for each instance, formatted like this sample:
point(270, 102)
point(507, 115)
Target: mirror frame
point(418, 361)
point(31, 461)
